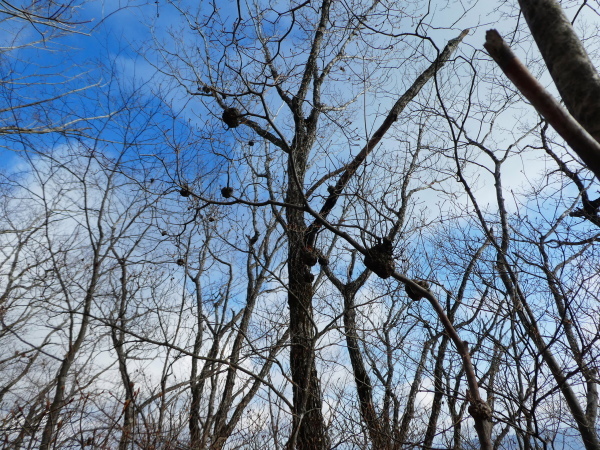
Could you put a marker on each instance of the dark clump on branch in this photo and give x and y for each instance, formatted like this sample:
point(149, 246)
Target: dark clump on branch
point(309, 256)
point(231, 117)
point(206, 89)
point(379, 259)
point(180, 262)
point(254, 238)
point(589, 210)
point(308, 276)
point(227, 191)
point(184, 192)
point(415, 295)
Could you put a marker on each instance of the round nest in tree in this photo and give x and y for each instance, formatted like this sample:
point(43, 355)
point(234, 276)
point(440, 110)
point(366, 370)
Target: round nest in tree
point(415, 295)
point(184, 192)
point(231, 117)
point(227, 192)
point(379, 259)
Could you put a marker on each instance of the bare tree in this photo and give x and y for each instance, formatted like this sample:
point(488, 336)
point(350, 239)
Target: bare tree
point(319, 225)
point(304, 104)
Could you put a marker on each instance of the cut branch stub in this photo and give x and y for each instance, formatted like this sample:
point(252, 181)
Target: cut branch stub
point(586, 147)
point(379, 259)
point(415, 296)
point(231, 117)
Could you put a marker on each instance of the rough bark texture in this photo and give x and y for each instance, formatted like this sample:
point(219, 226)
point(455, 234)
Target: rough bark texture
point(308, 425)
point(569, 64)
point(309, 430)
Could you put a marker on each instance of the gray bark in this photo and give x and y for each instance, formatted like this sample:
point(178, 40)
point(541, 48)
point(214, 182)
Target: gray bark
point(571, 69)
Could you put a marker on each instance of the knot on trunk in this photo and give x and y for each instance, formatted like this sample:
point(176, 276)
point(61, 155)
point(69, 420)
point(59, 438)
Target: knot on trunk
point(308, 276)
point(412, 294)
point(479, 409)
point(231, 117)
point(379, 259)
point(309, 255)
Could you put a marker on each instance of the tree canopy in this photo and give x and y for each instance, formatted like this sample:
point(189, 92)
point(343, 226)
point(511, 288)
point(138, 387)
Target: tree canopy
point(299, 224)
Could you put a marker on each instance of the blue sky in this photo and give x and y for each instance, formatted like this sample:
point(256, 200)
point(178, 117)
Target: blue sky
point(43, 68)
point(115, 37)
point(114, 34)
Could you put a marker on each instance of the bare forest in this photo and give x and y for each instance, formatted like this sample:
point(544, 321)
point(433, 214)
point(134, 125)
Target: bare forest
point(300, 224)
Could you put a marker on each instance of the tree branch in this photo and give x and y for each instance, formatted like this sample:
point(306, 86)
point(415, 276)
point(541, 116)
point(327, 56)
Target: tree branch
point(571, 131)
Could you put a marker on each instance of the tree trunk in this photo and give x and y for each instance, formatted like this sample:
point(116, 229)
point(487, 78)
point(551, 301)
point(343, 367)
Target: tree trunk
point(380, 436)
point(309, 431)
point(573, 73)
point(438, 383)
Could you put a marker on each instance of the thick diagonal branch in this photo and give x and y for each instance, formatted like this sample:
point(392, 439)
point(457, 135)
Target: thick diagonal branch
point(564, 123)
point(392, 116)
point(569, 65)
